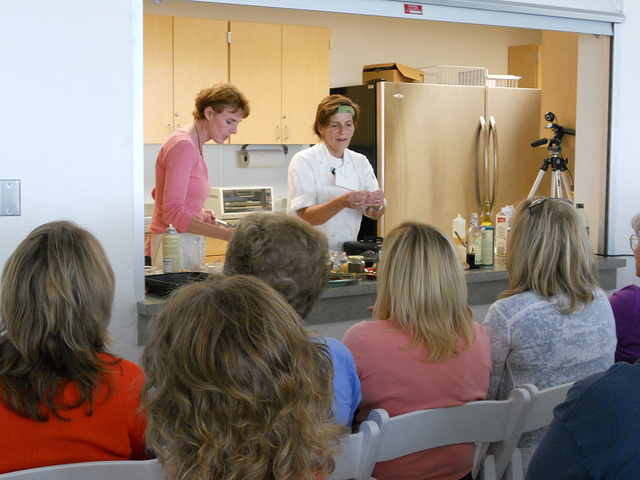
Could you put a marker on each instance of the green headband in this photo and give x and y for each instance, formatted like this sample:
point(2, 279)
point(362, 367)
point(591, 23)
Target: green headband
point(346, 109)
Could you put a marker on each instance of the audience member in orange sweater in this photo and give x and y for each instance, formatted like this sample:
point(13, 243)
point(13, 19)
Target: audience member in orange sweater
point(236, 388)
point(63, 397)
point(423, 349)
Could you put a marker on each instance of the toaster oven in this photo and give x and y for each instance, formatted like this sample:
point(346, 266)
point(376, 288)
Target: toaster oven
point(231, 203)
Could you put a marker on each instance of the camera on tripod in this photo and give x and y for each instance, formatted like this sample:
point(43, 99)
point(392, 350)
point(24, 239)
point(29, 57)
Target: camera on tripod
point(558, 130)
point(556, 161)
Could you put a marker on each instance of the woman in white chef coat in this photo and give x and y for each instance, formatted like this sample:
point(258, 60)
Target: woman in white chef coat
point(329, 185)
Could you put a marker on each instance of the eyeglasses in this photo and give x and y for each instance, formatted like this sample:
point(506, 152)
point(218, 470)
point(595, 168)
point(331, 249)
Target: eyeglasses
point(540, 201)
point(633, 241)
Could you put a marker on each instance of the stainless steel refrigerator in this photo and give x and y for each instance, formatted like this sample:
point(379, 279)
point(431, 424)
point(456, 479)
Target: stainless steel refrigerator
point(433, 148)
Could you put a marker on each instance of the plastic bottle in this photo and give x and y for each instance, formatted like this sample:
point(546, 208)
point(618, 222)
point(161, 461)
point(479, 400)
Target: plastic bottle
point(487, 235)
point(459, 235)
point(474, 256)
point(171, 250)
point(503, 220)
point(582, 215)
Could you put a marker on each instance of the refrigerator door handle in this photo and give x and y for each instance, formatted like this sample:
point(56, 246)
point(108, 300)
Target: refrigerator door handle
point(493, 129)
point(481, 172)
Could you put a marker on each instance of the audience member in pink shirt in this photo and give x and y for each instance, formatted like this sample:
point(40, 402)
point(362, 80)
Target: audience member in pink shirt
point(423, 349)
point(182, 178)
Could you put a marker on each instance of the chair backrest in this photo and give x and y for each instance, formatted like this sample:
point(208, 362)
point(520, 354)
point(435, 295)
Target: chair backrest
point(538, 413)
point(481, 421)
point(109, 470)
point(357, 456)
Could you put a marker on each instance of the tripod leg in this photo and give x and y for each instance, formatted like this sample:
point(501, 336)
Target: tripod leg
point(567, 186)
point(536, 184)
point(554, 183)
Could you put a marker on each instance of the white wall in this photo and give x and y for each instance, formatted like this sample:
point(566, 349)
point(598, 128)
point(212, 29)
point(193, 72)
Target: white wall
point(71, 131)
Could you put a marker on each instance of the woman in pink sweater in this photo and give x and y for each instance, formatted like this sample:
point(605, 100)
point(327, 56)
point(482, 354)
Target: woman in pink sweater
point(182, 177)
point(423, 349)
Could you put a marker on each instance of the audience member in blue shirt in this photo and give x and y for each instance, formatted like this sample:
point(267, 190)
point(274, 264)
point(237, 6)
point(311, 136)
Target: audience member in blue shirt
point(595, 433)
point(291, 256)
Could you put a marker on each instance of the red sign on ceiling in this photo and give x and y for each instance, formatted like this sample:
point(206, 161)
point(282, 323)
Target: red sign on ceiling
point(412, 9)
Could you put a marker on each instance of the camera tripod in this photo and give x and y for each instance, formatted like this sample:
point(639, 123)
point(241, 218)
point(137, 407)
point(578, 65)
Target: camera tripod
point(556, 161)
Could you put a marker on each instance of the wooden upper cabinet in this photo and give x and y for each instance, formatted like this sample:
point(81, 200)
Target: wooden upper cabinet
point(158, 78)
point(255, 59)
point(283, 70)
point(181, 57)
point(200, 59)
point(524, 61)
point(305, 80)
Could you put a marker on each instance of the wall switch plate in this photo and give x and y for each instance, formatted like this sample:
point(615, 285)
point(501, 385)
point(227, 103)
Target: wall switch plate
point(9, 198)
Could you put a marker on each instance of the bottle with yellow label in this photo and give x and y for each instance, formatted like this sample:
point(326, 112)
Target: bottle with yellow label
point(488, 235)
point(171, 250)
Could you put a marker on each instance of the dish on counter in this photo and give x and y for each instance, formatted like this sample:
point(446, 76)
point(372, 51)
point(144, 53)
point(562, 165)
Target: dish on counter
point(371, 273)
point(338, 278)
point(342, 281)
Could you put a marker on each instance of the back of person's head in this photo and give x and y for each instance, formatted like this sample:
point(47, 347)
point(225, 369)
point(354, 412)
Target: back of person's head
point(421, 287)
point(285, 252)
point(55, 305)
point(235, 388)
point(635, 223)
point(549, 253)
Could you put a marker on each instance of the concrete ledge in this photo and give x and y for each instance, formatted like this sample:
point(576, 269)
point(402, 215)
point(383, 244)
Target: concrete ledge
point(350, 302)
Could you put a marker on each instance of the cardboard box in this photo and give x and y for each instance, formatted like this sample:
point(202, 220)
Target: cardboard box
point(391, 72)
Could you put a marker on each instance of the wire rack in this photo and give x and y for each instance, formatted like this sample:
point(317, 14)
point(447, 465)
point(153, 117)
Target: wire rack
point(478, 76)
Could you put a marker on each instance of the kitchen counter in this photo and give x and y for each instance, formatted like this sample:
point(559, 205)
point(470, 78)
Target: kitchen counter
point(350, 302)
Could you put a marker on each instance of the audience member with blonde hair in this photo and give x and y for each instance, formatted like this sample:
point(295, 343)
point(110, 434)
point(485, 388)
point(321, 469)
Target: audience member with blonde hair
point(64, 397)
point(423, 349)
point(236, 388)
point(293, 257)
point(554, 324)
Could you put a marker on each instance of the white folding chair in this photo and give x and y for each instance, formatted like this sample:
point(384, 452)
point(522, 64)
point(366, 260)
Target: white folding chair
point(108, 470)
point(538, 414)
point(481, 421)
point(357, 456)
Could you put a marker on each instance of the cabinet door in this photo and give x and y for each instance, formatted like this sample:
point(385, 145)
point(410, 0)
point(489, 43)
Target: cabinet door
point(305, 80)
point(200, 59)
point(255, 59)
point(158, 78)
point(524, 61)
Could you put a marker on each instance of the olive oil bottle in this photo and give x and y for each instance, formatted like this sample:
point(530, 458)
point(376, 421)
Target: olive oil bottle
point(487, 234)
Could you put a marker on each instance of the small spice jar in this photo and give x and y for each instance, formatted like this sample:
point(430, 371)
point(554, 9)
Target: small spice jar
point(356, 264)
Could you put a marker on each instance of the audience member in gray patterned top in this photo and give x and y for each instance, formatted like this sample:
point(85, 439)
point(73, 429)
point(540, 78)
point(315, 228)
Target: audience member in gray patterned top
point(554, 324)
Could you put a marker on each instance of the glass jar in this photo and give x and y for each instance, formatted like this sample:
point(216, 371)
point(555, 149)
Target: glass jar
point(356, 264)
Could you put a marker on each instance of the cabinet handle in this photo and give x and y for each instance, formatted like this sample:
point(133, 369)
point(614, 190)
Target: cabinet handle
point(286, 129)
point(170, 128)
point(278, 128)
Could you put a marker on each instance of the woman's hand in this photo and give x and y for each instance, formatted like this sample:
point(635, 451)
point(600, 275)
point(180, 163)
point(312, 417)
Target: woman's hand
point(209, 216)
point(355, 200)
point(374, 199)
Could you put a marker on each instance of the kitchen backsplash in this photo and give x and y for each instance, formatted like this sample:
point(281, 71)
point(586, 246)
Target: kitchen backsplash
point(225, 171)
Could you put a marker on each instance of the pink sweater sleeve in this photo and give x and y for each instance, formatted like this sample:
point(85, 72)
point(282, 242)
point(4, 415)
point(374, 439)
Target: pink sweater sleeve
point(178, 164)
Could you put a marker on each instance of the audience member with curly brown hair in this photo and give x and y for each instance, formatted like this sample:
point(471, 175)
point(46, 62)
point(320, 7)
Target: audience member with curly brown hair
point(236, 387)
